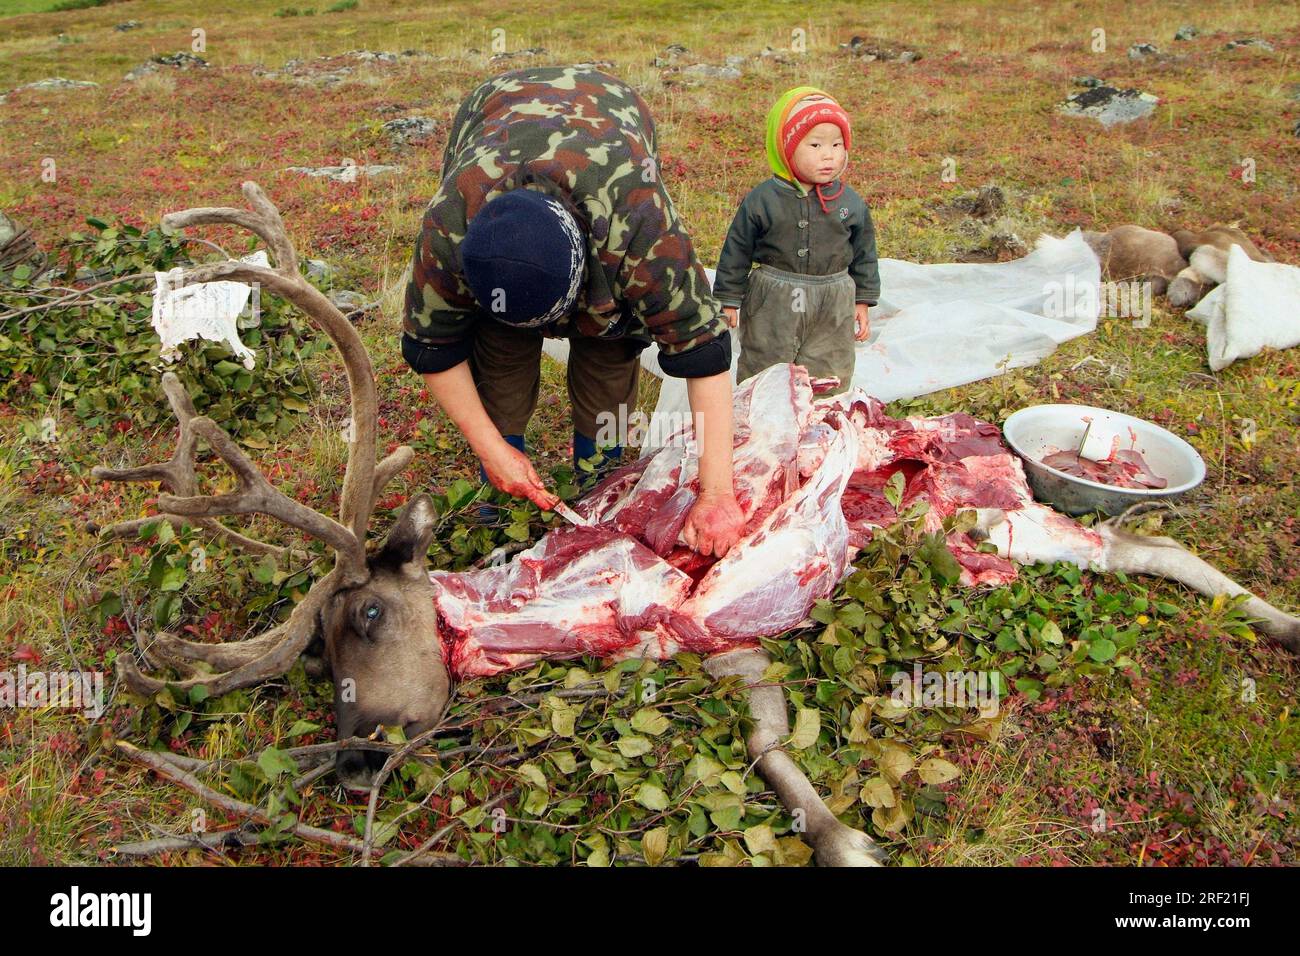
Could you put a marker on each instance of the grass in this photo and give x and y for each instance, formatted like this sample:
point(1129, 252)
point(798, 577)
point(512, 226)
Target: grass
point(1186, 769)
point(10, 8)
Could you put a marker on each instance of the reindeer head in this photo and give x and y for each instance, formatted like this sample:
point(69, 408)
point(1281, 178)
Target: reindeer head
point(373, 615)
point(382, 646)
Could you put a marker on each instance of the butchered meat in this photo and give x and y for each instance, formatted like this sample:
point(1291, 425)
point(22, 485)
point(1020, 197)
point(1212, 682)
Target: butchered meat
point(768, 582)
point(580, 590)
point(812, 477)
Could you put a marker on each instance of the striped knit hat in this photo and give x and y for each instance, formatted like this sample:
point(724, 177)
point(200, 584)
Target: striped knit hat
point(791, 118)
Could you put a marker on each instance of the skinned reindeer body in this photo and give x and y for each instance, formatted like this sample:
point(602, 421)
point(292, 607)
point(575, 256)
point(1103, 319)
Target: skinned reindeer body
point(395, 636)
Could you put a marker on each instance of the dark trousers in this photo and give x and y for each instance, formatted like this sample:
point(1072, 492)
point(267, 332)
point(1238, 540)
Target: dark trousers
point(507, 367)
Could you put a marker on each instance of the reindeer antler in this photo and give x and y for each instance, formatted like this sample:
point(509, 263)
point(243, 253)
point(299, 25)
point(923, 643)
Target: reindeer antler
point(177, 476)
point(252, 661)
point(284, 279)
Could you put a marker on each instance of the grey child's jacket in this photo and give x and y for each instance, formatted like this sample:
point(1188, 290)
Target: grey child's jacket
point(778, 226)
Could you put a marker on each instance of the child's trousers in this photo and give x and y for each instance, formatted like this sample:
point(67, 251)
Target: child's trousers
point(807, 320)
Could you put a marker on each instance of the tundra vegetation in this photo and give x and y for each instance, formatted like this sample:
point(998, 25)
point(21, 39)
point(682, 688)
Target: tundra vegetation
point(1141, 723)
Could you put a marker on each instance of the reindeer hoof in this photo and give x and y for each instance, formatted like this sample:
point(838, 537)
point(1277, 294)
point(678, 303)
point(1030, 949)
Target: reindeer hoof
point(1184, 292)
point(845, 846)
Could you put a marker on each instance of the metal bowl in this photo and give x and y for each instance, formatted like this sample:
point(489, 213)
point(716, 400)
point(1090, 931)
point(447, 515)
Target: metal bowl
point(1037, 431)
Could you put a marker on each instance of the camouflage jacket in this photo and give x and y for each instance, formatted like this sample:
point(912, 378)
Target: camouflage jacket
point(587, 139)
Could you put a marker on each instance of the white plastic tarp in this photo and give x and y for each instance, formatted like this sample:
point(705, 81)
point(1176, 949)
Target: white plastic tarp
point(1256, 307)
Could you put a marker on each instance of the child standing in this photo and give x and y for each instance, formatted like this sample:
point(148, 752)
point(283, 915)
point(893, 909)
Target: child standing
point(814, 245)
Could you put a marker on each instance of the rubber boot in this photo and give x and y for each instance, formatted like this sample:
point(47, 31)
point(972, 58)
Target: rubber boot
point(584, 447)
point(490, 513)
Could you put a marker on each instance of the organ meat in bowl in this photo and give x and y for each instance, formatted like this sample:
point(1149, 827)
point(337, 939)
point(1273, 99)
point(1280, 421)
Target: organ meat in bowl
point(1138, 461)
point(1123, 468)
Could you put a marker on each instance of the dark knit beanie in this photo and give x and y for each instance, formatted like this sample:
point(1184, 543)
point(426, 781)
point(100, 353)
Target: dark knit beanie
point(523, 258)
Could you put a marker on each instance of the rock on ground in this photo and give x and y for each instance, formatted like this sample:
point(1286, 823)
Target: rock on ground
point(327, 71)
point(532, 51)
point(409, 129)
point(348, 302)
point(1110, 106)
point(670, 55)
point(346, 174)
point(318, 270)
point(1249, 42)
point(179, 61)
point(870, 50)
point(710, 72)
point(52, 83)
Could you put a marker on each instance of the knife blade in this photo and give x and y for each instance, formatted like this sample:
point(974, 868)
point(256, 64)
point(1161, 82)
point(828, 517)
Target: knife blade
point(571, 516)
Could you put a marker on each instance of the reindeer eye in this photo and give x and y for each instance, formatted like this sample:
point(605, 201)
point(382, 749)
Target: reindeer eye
point(365, 616)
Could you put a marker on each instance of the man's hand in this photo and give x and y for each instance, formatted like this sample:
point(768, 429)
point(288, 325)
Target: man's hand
point(714, 524)
point(733, 315)
point(863, 323)
point(510, 470)
point(507, 468)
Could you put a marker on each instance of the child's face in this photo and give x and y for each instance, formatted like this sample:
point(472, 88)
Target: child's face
point(819, 158)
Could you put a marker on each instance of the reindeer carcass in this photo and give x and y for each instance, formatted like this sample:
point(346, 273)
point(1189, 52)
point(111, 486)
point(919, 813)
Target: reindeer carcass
point(1132, 253)
point(1183, 265)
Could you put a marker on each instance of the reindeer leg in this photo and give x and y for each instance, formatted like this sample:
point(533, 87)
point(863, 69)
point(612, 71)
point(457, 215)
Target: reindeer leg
point(1166, 558)
point(834, 843)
